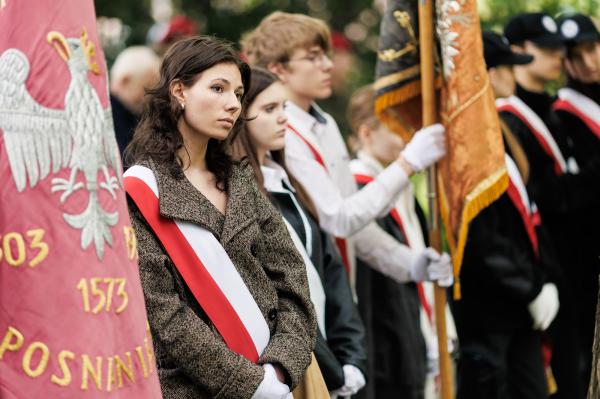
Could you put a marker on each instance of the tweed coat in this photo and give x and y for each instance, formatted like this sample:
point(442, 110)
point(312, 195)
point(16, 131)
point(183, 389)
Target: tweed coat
point(192, 358)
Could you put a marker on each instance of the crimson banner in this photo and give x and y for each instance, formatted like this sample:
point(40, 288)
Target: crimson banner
point(72, 316)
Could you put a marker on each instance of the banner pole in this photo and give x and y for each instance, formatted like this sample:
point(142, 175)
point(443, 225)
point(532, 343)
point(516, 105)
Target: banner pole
point(430, 117)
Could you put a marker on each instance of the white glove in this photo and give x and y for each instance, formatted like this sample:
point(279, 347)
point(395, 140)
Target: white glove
point(429, 265)
point(270, 387)
point(354, 380)
point(426, 147)
point(544, 307)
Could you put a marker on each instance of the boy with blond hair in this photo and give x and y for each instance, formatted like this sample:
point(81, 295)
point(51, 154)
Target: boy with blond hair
point(295, 47)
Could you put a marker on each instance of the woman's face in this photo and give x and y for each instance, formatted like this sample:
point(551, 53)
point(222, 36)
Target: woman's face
point(213, 102)
point(267, 130)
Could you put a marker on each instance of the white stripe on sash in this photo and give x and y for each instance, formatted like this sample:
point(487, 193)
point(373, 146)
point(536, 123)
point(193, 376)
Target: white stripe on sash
point(584, 104)
point(220, 267)
point(539, 125)
point(515, 178)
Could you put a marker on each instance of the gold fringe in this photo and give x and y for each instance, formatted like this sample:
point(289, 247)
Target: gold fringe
point(402, 120)
point(397, 96)
point(552, 386)
point(483, 195)
point(401, 95)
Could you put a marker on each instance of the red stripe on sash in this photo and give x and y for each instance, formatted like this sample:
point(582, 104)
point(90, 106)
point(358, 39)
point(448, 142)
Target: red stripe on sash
point(311, 147)
point(539, 137)
point(529, 221)
point(365, 179)
point(566, 106)
point(198, 279)
point(340, 242)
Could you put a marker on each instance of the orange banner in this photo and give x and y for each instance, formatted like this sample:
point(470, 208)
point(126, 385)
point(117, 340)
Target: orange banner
point(473, 174)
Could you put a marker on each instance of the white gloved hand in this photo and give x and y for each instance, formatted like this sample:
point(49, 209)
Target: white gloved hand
point(426, 147)
point(544, 307)
point(354, 380)
point(429, 265)
point(270, 387)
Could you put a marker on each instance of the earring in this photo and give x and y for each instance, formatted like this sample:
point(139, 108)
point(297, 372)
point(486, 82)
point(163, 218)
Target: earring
point(182, 105)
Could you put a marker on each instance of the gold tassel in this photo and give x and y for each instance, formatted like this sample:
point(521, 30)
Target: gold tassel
point(471, 209)
point(552, 386)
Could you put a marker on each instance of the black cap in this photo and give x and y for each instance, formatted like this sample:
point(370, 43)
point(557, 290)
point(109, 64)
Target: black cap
point(497, 51)
point(537, 27)
point(578, 28)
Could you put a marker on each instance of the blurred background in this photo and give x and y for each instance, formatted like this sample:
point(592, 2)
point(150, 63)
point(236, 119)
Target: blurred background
point(354, 23)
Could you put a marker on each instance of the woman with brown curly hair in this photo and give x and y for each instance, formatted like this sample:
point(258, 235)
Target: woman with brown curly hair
point(225, 288)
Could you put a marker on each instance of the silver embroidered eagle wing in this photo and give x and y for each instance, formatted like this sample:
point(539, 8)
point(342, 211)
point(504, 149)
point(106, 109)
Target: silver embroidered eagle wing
point(111, 149)
point(37, 138)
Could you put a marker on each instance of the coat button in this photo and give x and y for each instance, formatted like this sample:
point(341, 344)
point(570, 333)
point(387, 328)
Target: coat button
point(253, 250)
point(272, 314)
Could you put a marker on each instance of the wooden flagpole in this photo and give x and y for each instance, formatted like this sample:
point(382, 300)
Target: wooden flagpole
point(429, 110)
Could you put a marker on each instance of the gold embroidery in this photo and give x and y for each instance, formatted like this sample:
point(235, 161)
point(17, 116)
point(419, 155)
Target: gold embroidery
point(88, 369)
point(123, 294)
point(104, 294)
point(17, 239)
point(140, 355)
point(389, 55)
point(37, 236)
point(64, 368)
point(130, 242)
point(15, 251)
point(63, 50)
point(396, 77)
point(127, 369)
point(449, 118)
point(89, 50)
point(36, 358)
point(43, 362)
point(6, 342)
point(403, 19)
point(111, 377)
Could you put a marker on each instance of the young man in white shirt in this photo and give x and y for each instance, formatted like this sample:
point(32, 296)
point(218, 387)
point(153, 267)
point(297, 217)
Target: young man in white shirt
point(295, 47)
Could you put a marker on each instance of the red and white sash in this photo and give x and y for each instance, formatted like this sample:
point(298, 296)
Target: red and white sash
point(583, 107)
point(206, 268)
point(364, 179)
point(341, 243)
point(518, 195)
point(534, 123)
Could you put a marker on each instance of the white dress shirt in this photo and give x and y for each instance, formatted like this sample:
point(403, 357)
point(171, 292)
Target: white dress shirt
point(345, 211)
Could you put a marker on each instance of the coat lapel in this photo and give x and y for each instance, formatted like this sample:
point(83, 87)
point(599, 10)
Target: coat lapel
point(240, 203)
point(179, 199)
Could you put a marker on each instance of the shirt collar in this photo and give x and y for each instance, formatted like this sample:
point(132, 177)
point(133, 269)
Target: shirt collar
point(275, 177)
point(372, 165)
point(303, 120)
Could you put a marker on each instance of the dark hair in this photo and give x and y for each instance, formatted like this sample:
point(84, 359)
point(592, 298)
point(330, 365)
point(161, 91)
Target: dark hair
point(157, 136)
point(242, 146)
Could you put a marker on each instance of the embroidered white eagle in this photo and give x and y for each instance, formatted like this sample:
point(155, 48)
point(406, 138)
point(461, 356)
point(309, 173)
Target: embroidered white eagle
point(80, 137)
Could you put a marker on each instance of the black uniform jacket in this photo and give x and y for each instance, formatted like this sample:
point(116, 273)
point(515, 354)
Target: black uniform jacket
point(563, 200)
point(585, 147)
point(500, 273)
point(391, 313)
point(345, 343)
